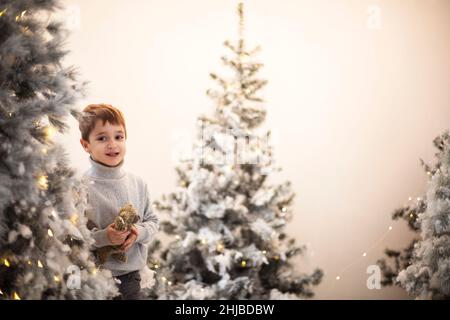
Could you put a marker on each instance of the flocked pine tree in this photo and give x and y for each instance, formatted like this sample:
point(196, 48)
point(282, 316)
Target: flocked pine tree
point(44, 242)
point(428, 276)
point(423, 267)
point(226, 219)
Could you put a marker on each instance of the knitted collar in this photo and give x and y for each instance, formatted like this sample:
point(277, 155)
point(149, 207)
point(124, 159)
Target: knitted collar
point(102, 171)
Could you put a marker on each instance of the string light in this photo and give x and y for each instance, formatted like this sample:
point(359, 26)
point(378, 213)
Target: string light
point(1, 292)
point(53, 213)
point(40, 264)
point(220, 247)
point(169, 283)
point(49, 132)
point(243, 263)
point(6, 262)
point(412, 215)
point(94, 271)
point(74, 219)
point(43, 182)
point(283, 209)
point(56, 278)
point(3, 12)
point(264, 252)
point(44, 150)
point(156, 266)
point(18, 17)
point(29, 262)
point(177, 237)
point(50, 232)
point(16, 296)
point(164, 279)
point(203, 241)
point(10, 114)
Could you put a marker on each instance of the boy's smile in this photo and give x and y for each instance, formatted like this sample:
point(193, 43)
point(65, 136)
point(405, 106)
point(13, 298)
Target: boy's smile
point(106, 143)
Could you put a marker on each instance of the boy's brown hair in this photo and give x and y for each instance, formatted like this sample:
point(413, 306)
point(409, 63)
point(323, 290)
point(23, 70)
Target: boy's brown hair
point(101, 111)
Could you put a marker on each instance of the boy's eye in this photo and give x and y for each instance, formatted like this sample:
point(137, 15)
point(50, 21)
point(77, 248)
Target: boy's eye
point(119, 137)
point(101, 139)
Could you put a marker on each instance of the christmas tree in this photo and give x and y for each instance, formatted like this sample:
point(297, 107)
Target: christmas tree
point(226, 218)
point(423, 268)
point(44, 242)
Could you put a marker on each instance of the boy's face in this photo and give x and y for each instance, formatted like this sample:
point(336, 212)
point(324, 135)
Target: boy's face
point(106, 143)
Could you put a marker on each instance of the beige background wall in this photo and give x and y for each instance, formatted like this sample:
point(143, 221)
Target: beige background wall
point(354, 101)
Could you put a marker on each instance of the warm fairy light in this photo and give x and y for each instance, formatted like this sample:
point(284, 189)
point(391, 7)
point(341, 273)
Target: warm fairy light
point(203, 241)
point(16, 296)
point(164, 279)
point(44, 150)
point(410, 198)
point(177, 237)
point(411, 215)
point(1, 292)
point(428, 173)
point(418, 199)
point(156, 266)
point(283, 209)
point(94, 271)
point(390, 228)
point(50, 232)
point(54, 213)
point(264, 252)
point(49, 132)
point(277, 257)
point(18, 17)
point(364, 254)
point(169, 283)
point(3, 12)
point(43, 182)
point(56, 278)
point(338, 278)
point(10, 114)
point(6, 262)
point(220, 247)
point(40, 264)
point(243, 263)
point(74, 219)
point(29, 262)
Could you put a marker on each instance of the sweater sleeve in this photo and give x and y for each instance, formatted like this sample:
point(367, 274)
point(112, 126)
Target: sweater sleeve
point(101, 238)
point(149, 225)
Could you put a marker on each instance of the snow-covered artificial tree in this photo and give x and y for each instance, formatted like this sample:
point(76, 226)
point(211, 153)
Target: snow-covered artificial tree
point(44, 242)
point(227, 218)
point(423, 268)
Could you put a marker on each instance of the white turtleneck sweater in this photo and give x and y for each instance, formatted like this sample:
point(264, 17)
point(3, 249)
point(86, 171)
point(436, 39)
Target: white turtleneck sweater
point(109, 189)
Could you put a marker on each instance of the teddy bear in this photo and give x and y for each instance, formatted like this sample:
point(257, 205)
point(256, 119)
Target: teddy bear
point(124, 221)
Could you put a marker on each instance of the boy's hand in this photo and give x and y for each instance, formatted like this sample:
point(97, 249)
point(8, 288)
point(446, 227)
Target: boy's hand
point(130, 240)
point(116, 237)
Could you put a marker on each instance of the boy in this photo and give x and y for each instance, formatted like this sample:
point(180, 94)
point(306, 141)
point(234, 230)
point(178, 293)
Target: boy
point(110, 187)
